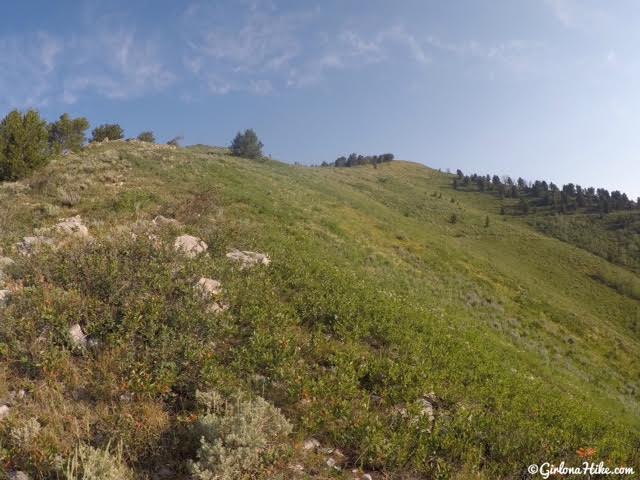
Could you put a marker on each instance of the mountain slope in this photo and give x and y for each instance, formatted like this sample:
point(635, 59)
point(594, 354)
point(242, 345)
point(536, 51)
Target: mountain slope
point(415, 342)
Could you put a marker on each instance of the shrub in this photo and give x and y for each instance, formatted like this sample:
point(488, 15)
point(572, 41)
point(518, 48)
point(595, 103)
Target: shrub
point(237, 437)
point(453, 218)
point(247, 145)
point(24, 144)
point(175, 141)
point(147, 137)
point(67, 133)
point(89, 463)
point(111, 131)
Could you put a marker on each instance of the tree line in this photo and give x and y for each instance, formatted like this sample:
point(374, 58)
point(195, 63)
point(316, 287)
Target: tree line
point(568, 198)
point(354, 160)
point(28, 141)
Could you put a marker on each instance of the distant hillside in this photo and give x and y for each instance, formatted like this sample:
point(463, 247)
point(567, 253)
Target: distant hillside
point(602, 222)
point(384, 325)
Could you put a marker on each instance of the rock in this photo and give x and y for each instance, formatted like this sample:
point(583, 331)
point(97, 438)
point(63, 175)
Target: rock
point(426, 409)
point(248, 259)
point(297, 467)
point(78, 338)
point(311, 444)
point(4, 297)
point(72, 226)
point(18, 475)
point(161, 221)
point(218, 307)
point(366, 476)
point(28, 245)
point(4, 411)
point(331, 463)
point(189, 245)
point(209, 288)
point(5, 262)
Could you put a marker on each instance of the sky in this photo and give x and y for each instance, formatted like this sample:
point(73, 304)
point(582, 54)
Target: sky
point(543, 89)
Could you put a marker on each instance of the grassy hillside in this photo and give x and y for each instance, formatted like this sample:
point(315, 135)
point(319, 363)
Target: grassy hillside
point(417, 346)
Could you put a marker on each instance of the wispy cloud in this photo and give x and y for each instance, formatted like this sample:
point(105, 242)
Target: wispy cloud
point(579, 14)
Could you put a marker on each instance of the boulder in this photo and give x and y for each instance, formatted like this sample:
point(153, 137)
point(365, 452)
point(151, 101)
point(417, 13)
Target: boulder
point(218, 307)
point(29, 245)
point(248, 259)
point(4, 297)
point(161, 221)
point(208, 287)
point(18, 475)
point(311, 444)
point(4, 411)
point(78, 337)
point(72, 226)
point(189, 246)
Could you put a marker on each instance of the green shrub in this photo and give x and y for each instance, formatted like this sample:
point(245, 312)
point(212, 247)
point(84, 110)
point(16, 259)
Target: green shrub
point(111, 131)
point(24, 144)
point(237, 437)
point(147, 137)
point(247, 145)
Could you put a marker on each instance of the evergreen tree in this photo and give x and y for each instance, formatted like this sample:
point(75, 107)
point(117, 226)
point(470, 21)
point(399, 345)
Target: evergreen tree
point(67, 133)
point(247, 145)
point(24, 144)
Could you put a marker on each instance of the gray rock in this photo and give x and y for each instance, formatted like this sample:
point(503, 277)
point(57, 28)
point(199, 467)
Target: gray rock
point(161, 221)
point(78, 338)
point(311, 444)
point(248, 259)
point(18, 475)
point(4, 411)
point(218, 307)
point(208, 287)
point(4, 297)
point(29, 245)
point(72, 226)
point(189, 245)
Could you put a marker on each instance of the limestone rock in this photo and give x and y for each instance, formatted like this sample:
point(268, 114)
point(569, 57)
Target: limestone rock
point(78, 337)
point(72, 226)
point(248, 259)
point(29, 245)
point(208, 287)
point(189, 245)
point(4, 297)
point(161, 221)
point(4, 411)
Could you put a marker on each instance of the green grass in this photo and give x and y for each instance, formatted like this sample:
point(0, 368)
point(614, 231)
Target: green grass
point(373, 299)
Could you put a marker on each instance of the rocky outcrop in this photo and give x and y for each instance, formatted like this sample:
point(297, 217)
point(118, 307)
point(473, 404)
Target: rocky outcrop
point(189, 246)
point(248, 259)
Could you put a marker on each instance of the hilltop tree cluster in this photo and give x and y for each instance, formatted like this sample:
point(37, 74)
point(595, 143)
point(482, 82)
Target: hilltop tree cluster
point(539, 193)
point(27, 141)
point(354, 160)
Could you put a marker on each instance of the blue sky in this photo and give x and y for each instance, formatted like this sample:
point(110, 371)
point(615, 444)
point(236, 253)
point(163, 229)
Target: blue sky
point(533, 88)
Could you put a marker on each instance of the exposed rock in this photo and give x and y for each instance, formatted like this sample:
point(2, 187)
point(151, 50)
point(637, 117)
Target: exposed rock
point(5, 262)
point(18, 475)
point(4, 411)
point(248, 259)
point(426, 409)
point(78, 337)
point(189, 245)
point(208, 287)
point(4, 297)
point(161, 221)
point(311, 444)
point(218, 307)
point(29, 245)
point(72, 226)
